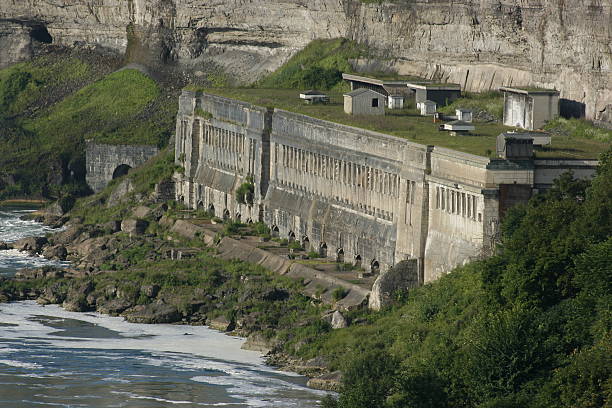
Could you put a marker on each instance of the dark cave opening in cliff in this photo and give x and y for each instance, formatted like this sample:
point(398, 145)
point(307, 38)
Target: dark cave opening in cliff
point(40, 33)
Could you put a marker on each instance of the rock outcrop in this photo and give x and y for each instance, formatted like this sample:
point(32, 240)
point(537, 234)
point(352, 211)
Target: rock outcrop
point(403, 276)
point(480, 44)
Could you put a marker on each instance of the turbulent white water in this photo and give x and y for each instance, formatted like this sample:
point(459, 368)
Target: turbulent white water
point(53, 358)
point(12, 229)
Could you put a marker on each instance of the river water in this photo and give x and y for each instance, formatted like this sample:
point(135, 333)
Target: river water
point(53, 358)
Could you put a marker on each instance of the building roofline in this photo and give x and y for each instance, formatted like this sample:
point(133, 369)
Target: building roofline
point(374, 81)
point(529, 90)
point(432, 86)
point(360, 91)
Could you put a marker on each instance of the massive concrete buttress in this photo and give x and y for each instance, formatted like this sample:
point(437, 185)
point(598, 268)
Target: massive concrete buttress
point(351, 194)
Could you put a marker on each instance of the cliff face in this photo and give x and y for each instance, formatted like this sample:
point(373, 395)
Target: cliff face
point(481, 44)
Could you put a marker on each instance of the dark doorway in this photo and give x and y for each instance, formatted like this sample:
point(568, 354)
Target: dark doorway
point(358, 261)
point(340, 256)
point(323, 250)
point(121, 170)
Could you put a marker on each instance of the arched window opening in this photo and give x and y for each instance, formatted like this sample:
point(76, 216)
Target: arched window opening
point(340, 255)
point(357, 261)
point(374, 267)
point(323, 250)
point(305, 243)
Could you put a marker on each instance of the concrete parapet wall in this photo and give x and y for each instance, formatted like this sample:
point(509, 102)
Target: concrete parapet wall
point(103, 161)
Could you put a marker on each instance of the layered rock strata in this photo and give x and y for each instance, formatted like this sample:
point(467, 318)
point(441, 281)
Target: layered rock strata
point(480, 44)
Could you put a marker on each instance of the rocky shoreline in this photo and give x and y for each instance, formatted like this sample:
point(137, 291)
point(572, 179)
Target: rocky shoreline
point(81, 288)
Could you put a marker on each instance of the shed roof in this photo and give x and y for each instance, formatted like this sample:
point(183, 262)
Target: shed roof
point(380, 80)
point(459, 123)
point(530, 90)
point(435, 86)
point(313, 92)
point(361, 91)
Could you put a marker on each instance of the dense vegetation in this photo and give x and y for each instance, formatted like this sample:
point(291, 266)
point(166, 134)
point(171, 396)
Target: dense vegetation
point(51, 105)
point(529, 327)
point(319, 65)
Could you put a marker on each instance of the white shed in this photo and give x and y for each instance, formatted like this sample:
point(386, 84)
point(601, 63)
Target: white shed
point(427, 108)
point(464, 115)
point(459, 126)
point(364, 101)
point(395, 101)
point(530, 108)
point(314, 96)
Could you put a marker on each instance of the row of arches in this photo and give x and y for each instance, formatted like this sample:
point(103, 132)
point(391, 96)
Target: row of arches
point(226, 213)
point(323, 253)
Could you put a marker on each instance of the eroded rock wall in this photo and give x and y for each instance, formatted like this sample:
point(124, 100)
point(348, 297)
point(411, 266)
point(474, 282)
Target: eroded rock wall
point(481, 44)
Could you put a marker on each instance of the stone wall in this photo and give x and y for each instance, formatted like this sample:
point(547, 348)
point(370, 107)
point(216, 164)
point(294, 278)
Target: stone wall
point(354, 195)
point(105, 162)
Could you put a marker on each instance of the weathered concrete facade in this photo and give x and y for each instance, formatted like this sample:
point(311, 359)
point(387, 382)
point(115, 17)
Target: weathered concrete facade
point(354, 195)
point(105, 162)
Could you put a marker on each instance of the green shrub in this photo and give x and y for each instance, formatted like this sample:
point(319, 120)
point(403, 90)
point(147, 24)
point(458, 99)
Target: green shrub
point(295, 245)
point(339, 293)
point(246, 192)
point(319, 65)
point(313, 255)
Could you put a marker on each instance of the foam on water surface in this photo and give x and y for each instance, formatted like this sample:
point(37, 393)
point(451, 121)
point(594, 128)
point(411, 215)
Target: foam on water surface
point(135, 363)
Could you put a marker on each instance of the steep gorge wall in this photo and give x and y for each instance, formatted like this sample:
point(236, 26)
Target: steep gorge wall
point(481, 44)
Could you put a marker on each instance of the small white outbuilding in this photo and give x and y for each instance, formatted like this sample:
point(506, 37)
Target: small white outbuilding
point(459, 126)
point(464, 115)
point(395, 101)
point(427, 108)
point(364, 101)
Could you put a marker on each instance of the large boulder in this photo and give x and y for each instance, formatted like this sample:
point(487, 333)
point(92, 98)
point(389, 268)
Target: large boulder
point(134, 227)
point(328, 382)
point(220, 323)
point(149, 291)
point(30, 244)
point(401, 277)
point(58, 252)
point(142, 211)
point(120, 192)
point(114, 307)
point(258, 342)
point(68, 236)
point(338, 321)
point(153, 313)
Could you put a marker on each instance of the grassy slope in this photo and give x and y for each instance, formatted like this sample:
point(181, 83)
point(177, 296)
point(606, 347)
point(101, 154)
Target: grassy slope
point(122, 107)
point(319, 65)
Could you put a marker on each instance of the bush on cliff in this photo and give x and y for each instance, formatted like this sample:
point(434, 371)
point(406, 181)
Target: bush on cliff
point(319, 65)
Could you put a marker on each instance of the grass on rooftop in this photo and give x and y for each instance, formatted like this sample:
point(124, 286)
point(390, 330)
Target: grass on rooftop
point(408, 124)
